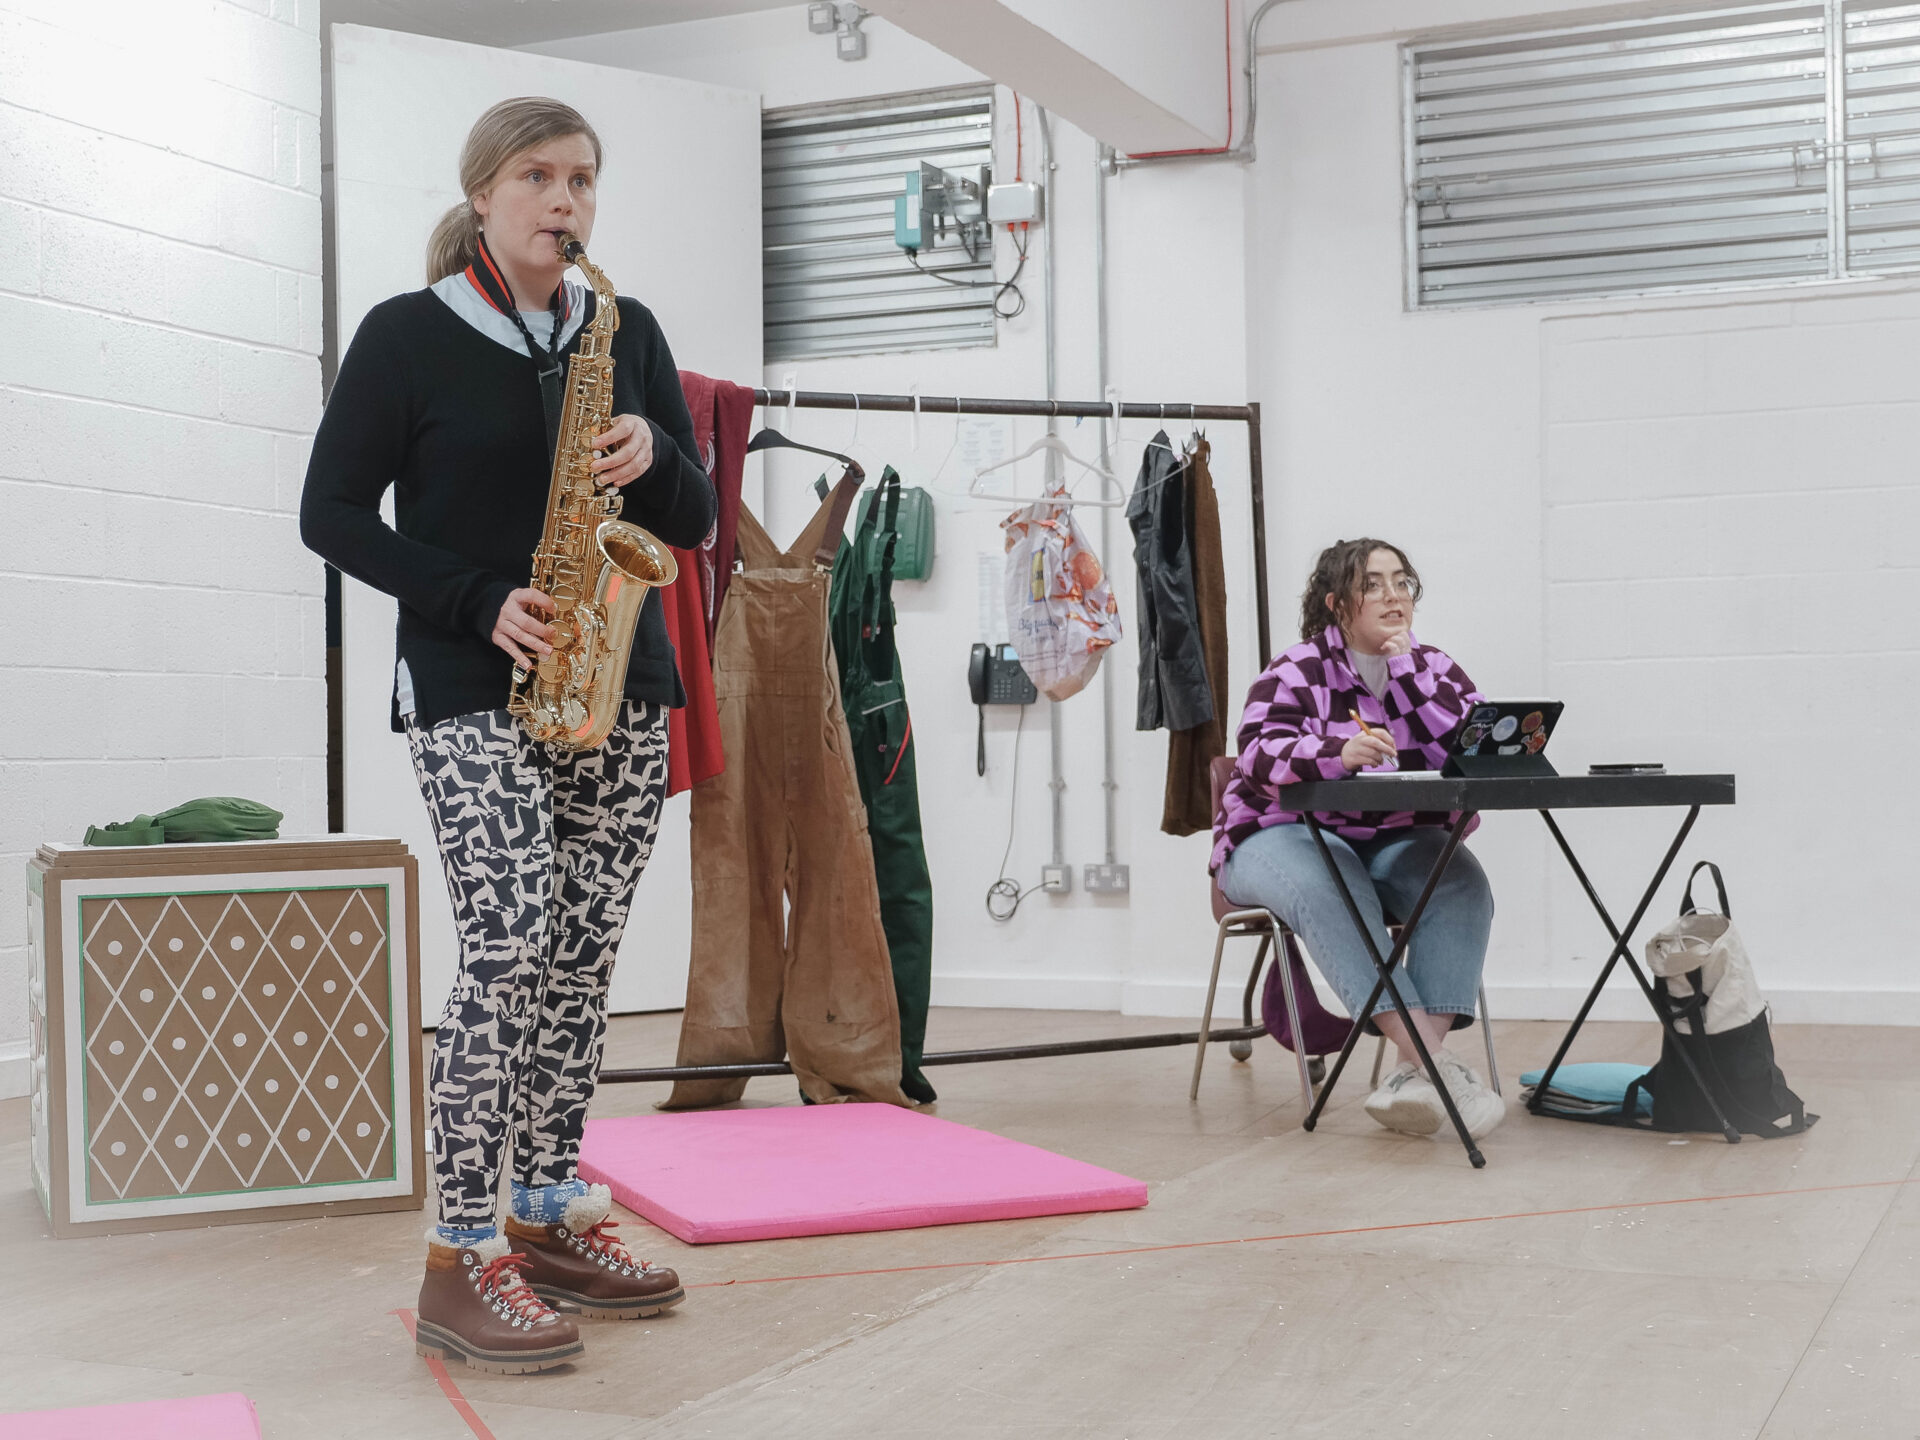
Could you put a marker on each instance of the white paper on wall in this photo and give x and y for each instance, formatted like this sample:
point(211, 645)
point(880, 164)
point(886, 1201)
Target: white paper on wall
point(991, 578)
point(982, 440)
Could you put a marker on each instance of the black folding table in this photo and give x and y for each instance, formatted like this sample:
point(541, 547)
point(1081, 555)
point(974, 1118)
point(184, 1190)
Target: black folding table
point(1465, 798)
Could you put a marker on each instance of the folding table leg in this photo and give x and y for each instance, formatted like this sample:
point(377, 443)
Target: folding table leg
point(1621, 941)
point(1384, 968)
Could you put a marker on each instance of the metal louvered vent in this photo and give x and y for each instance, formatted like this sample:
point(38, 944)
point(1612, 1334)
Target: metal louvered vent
point(1882, 136)
point(835, 283)
point(1681, 151)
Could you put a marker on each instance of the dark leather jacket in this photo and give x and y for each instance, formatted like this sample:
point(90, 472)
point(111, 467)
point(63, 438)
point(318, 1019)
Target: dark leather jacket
point(1173, 672)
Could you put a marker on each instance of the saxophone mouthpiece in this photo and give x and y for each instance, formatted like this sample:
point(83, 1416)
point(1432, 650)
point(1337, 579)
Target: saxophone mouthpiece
point(570, 246)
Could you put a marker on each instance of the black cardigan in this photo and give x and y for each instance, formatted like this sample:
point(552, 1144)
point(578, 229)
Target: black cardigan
point(452, 420)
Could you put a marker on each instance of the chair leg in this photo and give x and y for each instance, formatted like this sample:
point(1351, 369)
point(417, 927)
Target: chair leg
point(1293, 1023)
point(1253, 978)
point(1486, 1034)
point(1243, 1049)
point(1206, 1018)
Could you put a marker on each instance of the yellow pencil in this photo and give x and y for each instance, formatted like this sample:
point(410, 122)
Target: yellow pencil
point(1364, 727)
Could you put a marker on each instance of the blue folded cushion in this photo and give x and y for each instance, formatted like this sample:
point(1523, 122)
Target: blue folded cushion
point(1595, 1082)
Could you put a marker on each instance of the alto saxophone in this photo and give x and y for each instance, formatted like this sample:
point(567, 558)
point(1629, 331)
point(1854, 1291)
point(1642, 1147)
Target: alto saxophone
point(596, 569)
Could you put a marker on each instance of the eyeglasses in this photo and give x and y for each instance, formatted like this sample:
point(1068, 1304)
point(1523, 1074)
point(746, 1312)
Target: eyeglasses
point(1402, 587)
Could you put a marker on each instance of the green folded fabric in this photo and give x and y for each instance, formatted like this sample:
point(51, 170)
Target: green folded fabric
point(220, 817)
point(141, 830)
point(211, 818)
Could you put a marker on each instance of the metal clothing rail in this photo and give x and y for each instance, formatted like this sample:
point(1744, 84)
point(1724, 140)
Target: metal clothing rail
point(1248, 415)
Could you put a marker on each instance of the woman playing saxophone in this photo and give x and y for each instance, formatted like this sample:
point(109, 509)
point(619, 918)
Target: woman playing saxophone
point(451, 396)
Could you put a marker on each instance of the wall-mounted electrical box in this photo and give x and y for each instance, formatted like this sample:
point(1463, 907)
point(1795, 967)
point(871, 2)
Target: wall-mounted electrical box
point(910, 219)
point(1016, 203)
point(937, 202)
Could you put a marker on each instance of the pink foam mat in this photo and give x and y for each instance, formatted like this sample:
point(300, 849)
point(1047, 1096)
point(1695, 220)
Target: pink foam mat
point(200, 1417)
point(831, 1170)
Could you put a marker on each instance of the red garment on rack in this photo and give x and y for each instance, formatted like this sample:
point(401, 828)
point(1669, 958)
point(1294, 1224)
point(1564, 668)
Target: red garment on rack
point(722, 412)
point(694, 752)
point(722, 417)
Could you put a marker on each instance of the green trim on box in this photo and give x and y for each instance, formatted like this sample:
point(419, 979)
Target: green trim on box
point(36, 881)
point(86, 1090)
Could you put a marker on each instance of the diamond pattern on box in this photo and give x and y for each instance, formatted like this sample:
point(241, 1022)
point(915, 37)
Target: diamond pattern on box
point(236, 1041)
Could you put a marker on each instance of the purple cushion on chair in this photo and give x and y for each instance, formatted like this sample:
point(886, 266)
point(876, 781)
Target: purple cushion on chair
point(1325, 1032)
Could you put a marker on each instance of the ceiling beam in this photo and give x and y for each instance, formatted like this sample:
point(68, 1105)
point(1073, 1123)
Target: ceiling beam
point(1139, 75)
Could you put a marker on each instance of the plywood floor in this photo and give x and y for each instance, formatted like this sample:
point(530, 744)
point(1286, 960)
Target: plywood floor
point(1588, 1283)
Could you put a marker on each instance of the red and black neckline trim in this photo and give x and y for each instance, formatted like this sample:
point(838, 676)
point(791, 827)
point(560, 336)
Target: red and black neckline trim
point(484, 274)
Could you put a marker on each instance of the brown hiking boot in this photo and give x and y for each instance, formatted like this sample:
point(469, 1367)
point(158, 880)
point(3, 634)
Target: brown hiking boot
point(581, 1265)
point(475, 1307)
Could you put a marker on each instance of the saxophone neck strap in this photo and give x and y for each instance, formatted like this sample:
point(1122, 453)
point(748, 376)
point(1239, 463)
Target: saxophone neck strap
point(488, 279)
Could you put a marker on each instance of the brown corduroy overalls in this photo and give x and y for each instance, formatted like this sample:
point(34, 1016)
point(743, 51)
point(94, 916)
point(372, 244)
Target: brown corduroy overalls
point(789, 957)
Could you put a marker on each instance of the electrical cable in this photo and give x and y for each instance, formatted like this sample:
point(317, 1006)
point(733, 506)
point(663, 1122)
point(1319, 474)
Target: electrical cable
point(999, 287)
point(1005, 890)
point(1019, 141)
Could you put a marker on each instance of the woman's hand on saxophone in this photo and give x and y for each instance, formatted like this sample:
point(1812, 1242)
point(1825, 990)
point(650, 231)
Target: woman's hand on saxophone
point(520, 626)
point(627, 448)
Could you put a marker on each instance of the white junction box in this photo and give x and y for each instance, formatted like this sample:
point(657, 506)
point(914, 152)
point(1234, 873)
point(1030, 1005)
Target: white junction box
point(1014, 202)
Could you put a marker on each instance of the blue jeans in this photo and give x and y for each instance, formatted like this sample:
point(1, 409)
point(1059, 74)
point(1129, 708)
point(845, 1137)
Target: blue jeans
point(1281, 869)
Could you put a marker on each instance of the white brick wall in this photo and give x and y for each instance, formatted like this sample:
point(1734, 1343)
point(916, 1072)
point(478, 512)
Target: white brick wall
point(1733, 548)
point(159, 385)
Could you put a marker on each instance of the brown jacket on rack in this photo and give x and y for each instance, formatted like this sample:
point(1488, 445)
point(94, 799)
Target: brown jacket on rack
point(1189, 801)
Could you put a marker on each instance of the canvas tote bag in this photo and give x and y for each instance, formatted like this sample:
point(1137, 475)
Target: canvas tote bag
point(1704, 982)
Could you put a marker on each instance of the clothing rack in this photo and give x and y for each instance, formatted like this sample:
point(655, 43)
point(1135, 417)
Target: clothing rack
point(1248, 415)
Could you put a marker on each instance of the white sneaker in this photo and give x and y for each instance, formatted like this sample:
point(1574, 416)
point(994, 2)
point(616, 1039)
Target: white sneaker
point(1479, 1107)
point(1406, 1101)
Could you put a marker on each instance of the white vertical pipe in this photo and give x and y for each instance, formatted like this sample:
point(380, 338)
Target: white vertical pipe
point(1056, 724)
point(1108, 784)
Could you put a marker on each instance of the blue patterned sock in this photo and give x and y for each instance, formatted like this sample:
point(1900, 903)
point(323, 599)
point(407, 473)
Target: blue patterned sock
point(545, 1204)
point(457, 1237)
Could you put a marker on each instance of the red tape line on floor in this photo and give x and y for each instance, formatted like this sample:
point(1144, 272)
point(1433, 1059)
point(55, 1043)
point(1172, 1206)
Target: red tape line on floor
point(438, 1369)
point(1309, 1234)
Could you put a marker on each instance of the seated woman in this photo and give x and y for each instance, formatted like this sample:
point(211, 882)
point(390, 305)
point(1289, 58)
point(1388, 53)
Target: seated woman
point(1357, 656)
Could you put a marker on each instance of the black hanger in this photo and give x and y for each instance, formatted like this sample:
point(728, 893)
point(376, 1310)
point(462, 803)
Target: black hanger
point(773, 440)
point(849, 485)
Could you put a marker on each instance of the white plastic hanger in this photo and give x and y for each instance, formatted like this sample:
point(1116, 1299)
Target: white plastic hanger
point(1060, 497)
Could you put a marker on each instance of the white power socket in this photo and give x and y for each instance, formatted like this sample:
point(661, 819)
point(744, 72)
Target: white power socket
point(1107, 879)
point(1056, 879)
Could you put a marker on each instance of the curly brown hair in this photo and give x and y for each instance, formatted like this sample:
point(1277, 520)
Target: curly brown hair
point(1342, 570)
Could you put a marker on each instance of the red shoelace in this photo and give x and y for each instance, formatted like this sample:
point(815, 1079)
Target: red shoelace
point(600, 1239)
point(525, 1305)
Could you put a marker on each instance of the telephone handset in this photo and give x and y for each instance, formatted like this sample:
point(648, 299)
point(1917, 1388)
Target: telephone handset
point(995, 677)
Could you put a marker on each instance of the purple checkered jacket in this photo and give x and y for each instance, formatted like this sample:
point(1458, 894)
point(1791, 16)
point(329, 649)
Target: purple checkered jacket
point(1297, 720)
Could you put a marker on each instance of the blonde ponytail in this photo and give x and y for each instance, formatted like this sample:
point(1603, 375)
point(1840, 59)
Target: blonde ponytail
point(497, 136)
point(454, 244)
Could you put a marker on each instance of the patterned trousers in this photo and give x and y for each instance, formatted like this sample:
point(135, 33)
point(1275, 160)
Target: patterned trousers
point(542, 850)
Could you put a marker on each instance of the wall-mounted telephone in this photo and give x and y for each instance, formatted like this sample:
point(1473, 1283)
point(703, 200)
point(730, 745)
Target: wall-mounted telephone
point(995, 677)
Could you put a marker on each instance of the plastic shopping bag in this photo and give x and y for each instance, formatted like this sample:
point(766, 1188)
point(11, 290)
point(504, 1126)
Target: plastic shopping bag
point(1060, 609)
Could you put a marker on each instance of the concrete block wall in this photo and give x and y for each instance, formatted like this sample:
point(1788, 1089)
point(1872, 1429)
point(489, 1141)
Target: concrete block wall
point(159, 386)
point(1731, 514)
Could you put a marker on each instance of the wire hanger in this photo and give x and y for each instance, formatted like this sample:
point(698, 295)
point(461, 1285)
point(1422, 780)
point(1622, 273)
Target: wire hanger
point(1060, 497)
